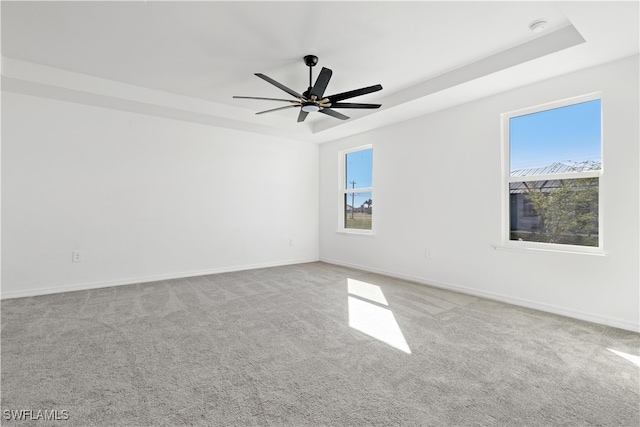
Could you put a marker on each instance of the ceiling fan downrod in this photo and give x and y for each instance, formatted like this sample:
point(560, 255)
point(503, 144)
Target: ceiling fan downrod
point(310, 61)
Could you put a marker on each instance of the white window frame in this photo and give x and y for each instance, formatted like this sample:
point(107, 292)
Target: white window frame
point(507, 179)
point(342, 191)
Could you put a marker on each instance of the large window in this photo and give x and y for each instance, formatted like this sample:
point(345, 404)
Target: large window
point(356, 189)
point(553, 172)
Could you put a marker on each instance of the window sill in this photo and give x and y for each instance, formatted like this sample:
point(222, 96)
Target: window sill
point(364, 233)
point(562, 250)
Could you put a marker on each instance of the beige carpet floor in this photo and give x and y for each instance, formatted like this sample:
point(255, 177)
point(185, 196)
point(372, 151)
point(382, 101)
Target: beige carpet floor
point(308, 345)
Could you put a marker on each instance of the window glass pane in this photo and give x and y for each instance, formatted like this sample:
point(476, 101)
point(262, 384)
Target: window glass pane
point(555, 211)
point(560, 140)
point(358, 210)
point(358, 173)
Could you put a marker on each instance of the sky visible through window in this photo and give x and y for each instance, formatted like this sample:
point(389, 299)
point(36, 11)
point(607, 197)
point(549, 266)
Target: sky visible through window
point(358, 174)
point(568, 135)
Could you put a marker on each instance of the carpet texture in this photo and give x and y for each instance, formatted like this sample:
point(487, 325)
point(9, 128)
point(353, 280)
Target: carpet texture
point(309, 345)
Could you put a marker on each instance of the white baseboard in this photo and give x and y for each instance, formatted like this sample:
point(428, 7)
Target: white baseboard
point(563, 311)
point(144, 279)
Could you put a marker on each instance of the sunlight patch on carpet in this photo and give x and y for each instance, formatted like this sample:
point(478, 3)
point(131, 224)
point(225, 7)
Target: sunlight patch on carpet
point(366, 291)
point(630, 357)
point(372, 319)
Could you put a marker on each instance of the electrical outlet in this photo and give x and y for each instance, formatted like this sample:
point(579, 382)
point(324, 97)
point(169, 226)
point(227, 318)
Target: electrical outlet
point(76, 256)
point(290, 241)
point(427, 253)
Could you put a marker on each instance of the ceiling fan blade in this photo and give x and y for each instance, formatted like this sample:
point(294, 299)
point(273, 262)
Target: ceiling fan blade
point(276, 109)
point(279, 85)
point(321, 83)
point(303, 115)
point(330, 112)
point(353, 93)
point(266, 99)
point(353, 105)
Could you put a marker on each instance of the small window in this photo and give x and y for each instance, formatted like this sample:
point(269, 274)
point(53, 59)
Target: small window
point(554, 170)
point(356, 190)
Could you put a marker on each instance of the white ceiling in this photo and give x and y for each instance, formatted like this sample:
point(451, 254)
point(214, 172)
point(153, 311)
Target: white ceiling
point(186, 60)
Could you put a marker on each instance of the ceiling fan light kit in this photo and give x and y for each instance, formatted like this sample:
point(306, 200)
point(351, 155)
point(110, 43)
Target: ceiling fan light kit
point(312, 100)
point(310, 107)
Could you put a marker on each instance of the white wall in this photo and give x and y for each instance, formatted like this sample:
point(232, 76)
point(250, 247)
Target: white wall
point(145, 198)
point(437, 185)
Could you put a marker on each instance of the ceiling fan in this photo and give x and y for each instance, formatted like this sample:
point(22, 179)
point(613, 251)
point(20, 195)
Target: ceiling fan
point(313, 99)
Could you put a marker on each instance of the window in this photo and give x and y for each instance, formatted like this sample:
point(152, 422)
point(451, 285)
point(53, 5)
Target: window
point(552, 175)
point(356, 190)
